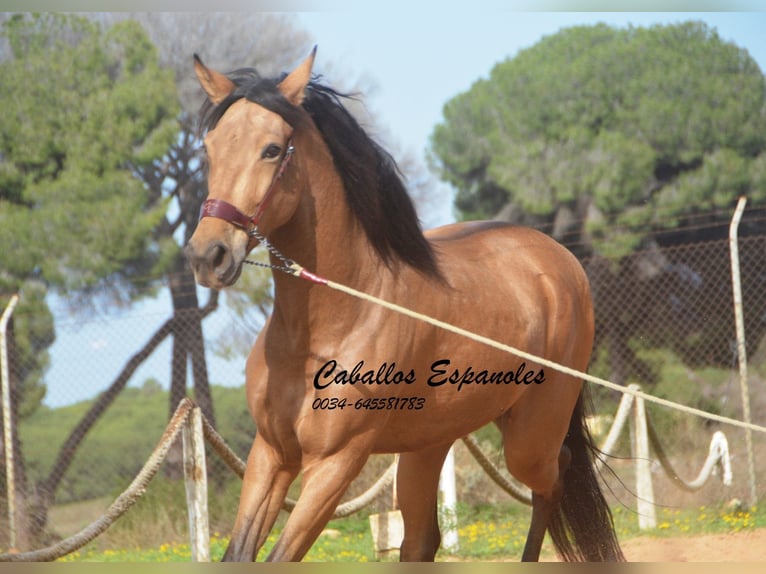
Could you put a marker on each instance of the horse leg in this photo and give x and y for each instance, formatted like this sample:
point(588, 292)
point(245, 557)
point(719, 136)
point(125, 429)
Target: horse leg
point(264, 488)
point(543, 506)
point(417, 482)
point(325, 480)
point(533, 443)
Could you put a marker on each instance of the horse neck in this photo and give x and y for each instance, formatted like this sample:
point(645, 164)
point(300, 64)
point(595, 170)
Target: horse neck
point(325, 237)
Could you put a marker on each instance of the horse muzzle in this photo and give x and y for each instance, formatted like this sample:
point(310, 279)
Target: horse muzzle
point(215, 264)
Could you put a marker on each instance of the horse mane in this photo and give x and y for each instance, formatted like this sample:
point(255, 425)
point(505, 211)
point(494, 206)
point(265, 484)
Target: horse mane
point(373, 184)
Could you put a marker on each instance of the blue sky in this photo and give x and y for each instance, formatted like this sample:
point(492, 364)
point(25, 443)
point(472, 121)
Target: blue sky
point(417, 59)
point(420, 58)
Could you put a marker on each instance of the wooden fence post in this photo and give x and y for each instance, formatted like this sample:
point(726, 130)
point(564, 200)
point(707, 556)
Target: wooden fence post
point(448, 508)
point(647, 516)
point(195, 476)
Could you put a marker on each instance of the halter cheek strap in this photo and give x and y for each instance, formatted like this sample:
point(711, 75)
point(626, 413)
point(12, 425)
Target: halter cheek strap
point(224, 210)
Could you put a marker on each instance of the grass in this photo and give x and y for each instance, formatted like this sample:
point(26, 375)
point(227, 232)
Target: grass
point(488, 533)
point(341, 548)
point(702, 520)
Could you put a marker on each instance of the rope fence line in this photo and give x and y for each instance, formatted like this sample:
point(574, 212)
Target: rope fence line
point(718, 454)
point(299, 271)
point(121, 504)
point(496, 473)
point(137, 488)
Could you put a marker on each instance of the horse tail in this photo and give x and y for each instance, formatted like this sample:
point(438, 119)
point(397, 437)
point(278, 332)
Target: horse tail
point(582, 528)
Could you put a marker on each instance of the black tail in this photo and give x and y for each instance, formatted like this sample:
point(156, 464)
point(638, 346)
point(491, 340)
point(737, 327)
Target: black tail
point(582, 528)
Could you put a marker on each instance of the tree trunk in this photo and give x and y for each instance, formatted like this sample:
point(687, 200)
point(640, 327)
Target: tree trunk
point(199, 370)
point(606, 290)
point(615, 291)
point(178, 363)
point(188, 345)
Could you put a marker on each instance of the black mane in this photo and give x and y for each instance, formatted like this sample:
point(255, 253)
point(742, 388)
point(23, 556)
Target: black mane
point(372, 181)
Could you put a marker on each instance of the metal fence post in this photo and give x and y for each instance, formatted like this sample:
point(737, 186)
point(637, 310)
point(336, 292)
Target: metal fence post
point(195, 476)
point(7, 415)
point(741, 349)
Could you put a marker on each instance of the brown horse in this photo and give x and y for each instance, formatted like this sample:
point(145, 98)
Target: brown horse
point(332, 379)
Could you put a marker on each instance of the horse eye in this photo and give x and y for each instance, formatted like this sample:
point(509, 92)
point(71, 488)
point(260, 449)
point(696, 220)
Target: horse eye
point(271, 151)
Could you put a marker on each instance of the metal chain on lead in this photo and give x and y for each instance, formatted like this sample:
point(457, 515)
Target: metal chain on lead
point(288, 263)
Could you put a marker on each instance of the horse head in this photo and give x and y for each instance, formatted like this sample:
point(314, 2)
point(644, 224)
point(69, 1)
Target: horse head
point(250, 126)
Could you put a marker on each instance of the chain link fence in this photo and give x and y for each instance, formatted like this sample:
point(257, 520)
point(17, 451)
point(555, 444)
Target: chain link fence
point(664, 320)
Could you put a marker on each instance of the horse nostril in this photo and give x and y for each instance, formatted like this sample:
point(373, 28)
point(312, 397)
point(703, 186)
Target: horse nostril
point(217, 255)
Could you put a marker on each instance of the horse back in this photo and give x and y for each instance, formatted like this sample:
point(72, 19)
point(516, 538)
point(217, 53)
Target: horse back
point(473, 252)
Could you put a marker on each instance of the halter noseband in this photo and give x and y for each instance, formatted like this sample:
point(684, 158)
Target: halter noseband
point(224, 210)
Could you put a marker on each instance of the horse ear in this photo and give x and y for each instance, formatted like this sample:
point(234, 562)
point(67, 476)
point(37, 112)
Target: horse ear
point(293, 87)
point(216, 85)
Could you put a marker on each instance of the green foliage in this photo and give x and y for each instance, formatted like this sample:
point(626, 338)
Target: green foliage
point(119, 444)
point(634, 129)
point(161, 513)
point(82, 110)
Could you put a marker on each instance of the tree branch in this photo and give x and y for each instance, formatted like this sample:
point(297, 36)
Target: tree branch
point(47, 488)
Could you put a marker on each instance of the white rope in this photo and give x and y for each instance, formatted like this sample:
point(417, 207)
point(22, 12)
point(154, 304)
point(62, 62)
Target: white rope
point(718, 454)
point(367, 497)
point(620, 418)
point(301, 272)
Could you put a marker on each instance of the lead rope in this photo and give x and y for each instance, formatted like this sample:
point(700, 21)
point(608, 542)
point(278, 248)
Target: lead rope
point(292, 268)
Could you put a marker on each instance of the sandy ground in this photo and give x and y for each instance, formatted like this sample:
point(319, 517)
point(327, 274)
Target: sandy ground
point(747, 546)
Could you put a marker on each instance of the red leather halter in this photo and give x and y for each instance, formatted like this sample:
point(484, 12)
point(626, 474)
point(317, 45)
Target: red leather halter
point(226, 211)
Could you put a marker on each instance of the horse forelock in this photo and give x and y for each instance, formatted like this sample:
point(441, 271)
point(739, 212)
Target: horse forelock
point(250, 85)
